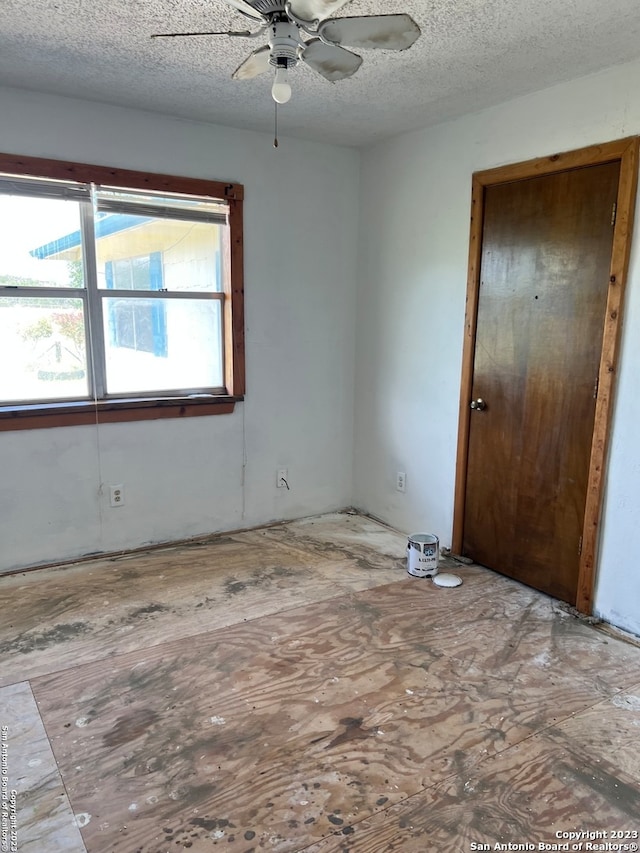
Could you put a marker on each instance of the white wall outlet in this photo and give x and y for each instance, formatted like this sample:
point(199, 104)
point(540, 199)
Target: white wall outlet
point(116, 495)
point(282, 478)
point(401, 481)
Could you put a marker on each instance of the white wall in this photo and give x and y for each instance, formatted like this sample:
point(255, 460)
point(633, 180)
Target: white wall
point(184, 478)
point(415, 205)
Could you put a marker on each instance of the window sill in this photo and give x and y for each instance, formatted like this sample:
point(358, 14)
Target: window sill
point(45, 415)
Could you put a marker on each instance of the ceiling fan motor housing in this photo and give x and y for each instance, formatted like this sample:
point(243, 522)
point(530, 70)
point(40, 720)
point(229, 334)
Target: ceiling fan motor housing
point(285, 44)
point(268, 7)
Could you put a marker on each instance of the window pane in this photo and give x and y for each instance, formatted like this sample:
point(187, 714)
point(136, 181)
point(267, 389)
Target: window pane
point(154, 253)
point(42, 349)
point(40, 243)
point(162, 344)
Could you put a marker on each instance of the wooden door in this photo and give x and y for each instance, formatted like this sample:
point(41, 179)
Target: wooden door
point(544, 278)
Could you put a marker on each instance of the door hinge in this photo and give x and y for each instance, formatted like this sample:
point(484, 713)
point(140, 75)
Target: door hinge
point(580, 547)
point(595, 388)
point(614, 211)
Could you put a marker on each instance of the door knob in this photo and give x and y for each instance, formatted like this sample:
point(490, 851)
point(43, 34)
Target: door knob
point(478, 404)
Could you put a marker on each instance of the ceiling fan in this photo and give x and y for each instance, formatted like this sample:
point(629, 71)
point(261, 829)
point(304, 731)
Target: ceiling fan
point(286, 24)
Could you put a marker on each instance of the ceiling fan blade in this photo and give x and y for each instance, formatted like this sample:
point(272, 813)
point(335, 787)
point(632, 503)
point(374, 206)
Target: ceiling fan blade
point(316, 10)
point(387, 32)
point(243, 34)
point(245, 8)
point(256, 63)
point(332, 61)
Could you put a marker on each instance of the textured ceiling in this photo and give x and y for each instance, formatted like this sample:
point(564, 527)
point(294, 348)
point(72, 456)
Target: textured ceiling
point(472, 53)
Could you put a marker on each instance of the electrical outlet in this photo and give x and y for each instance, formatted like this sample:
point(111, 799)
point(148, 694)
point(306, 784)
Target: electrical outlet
point(282, 478)
point(401, 481)
point(116, 495)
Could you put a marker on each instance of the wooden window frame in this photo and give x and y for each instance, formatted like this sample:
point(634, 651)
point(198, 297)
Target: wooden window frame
point(624, 151)
point(44, 415)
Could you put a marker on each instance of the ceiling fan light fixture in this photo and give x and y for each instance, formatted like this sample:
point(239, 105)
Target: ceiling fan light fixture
point(281, 89)
point(284, 22)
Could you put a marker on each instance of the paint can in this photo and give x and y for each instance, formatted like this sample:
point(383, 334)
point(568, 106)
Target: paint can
point(422, 555)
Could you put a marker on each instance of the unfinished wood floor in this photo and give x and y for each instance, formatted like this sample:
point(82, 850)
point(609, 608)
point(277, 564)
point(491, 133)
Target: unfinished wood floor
point(292, 689)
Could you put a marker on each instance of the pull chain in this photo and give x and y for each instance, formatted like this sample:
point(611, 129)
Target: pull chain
point(275, 136)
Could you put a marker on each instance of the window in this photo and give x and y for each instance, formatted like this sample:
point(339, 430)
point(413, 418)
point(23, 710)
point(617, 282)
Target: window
point(120, 294)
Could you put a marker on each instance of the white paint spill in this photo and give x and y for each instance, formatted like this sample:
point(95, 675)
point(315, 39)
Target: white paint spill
point(217, 721)
point(81, 722)
point(81, 819)
point(543, 660)
point(409, 692)
point(133, 807)
point(627, 702)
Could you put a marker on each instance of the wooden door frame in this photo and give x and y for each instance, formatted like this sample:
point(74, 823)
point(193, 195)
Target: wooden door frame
point(624, 151)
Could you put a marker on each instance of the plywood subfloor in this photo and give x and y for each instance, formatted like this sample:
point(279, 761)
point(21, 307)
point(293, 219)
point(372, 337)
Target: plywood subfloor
point(293, 689)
